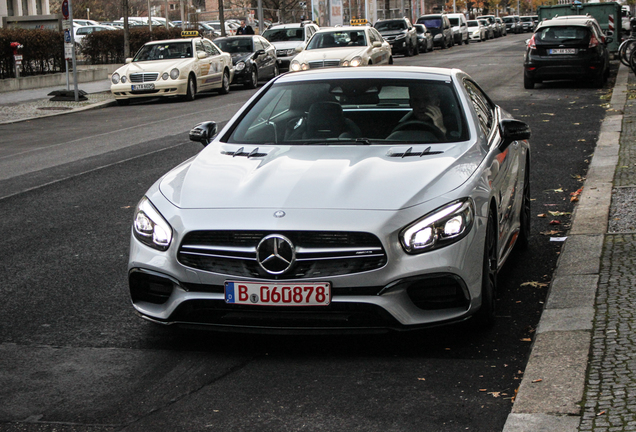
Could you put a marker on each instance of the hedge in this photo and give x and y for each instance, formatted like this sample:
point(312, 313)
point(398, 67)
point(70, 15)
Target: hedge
point(43, 51)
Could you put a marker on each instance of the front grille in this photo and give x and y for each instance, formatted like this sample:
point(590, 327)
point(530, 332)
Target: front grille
point(324, 63)
point(318, 254)
point(143, 77)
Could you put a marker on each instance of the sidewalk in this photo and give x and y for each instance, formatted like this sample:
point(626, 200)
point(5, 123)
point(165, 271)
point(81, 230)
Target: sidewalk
point(24, 105)
point(581, 374)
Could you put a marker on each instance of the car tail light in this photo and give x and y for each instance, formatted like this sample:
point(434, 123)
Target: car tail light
point(531, 43)
point(593, 42)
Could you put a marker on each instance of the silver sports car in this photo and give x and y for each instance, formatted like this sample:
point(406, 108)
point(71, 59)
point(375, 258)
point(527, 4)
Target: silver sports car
point(362, 199)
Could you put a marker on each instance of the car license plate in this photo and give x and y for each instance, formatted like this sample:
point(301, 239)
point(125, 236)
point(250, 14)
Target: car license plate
point(150, 86)
point(280, 294)
point(563, 51)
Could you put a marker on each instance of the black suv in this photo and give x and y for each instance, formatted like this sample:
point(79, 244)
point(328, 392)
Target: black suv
point(401, 34)
point(440, 27)
point(566, 49)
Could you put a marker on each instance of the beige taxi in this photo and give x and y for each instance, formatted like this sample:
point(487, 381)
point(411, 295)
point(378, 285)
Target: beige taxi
point(173, 67)
point(350, 46)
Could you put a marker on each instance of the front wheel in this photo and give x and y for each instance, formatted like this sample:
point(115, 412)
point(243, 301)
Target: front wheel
point(253, 81)
point(192, 89)
point(485, 316)
point(523, 240)
point(225, 84)
point(417, 48)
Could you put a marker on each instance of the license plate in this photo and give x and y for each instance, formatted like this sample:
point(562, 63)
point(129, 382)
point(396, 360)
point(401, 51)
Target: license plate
point(563, 51)
point(283, 294)
point(150, 86)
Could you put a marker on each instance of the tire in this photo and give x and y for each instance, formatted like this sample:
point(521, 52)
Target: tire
point(467, 41)
point(409, 50)
point(192, 89)
point(528, 84)
point(225, 84)
point(417, 48)
point(253, 82)
point(632, 60)
point(485, 316)
point(276, 71)
point(523, 240)
point(444, 46)
point(123, 102)
point(624, 51)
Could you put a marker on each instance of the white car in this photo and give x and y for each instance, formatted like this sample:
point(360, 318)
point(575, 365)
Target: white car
point(286, 38)
point(344, 47)
point(82, 31)
point(173, 67)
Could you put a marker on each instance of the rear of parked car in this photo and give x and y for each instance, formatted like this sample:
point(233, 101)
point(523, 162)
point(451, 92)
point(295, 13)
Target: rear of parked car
point(566, 50)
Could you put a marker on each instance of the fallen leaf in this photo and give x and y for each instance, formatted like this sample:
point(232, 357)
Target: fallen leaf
point(495, 394)
point(582, 140)
point(559, 213)
point(550, 233)
point(600, 414)
point(537, 380)
point(526, 340)
point(550, 114)
point(483, 390)
point(542, 215)
point(555, 222)
point(558, 190)
point(421, 379)
point(534, 284)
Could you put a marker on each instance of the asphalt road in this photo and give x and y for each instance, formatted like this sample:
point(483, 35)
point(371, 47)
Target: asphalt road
point(74, 357)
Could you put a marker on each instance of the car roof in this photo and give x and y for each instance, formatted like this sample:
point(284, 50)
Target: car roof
point(583, 22)
point(343, 28)
point(284, 26)
point(384, 72)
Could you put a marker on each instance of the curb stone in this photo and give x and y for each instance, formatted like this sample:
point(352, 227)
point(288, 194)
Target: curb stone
point(553, 385)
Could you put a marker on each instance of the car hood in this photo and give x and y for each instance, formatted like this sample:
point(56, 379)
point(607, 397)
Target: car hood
point(319, 177)
point(237, 57)
point(286, 44)
point(331, 53)
point(154, 66)
point(392, 33)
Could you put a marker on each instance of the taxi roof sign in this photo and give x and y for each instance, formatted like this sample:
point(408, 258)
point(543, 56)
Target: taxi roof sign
point(359, 21)
point(189, 33)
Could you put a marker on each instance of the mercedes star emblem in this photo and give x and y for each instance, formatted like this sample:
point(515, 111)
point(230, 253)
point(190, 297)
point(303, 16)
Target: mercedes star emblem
point(275, 254)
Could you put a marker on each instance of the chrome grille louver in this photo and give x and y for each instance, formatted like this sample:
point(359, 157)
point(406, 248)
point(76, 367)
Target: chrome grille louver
point(144, 77)
point(410, 153)
point(318, 254)
point(324, 63)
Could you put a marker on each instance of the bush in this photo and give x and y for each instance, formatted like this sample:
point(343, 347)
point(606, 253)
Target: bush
point(107, 47)
point(43, 50)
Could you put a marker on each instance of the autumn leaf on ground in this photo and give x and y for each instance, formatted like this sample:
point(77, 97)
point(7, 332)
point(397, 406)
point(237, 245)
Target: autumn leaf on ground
point(495, 394)
point(550, 114)
point(550, 233)
point(559, 213)
point(537, 380)
point(555, 222)
point(526, 340)
point(575, 195)
point(542, 215)
point(582, 140)
point(534, 284)
point(421, 379)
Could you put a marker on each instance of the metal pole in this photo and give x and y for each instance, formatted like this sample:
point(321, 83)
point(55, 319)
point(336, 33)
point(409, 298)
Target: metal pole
point(70, 17)
point(167, 8)
point(260, 17)
point(149, 18)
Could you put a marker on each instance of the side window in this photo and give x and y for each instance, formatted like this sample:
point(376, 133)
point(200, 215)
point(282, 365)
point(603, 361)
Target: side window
point(210, 48)
point(481, 105)
point(258, 45)
point(199, 47)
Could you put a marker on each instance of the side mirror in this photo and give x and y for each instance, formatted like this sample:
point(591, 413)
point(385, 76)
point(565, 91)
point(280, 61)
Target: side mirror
point(128, 60)
point(377, 44)
point(298, 48)
point(259, 53)
point(201, 54)
point(512, 130)
point(203, 132)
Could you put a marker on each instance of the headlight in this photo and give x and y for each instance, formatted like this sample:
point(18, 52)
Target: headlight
point(115, 78)
point(124, 79)
point(165, 76)
point(150, 227)
point(440, 228)
point(356, 61)
point(174, 73)
point(240, 66)
point(400, 36)
point(297, 66)
point(438, 36)
point(290, 52)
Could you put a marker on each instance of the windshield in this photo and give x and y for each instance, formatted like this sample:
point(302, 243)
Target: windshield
point(285, 35)
point(353, 111)
point(508, 20)
point(526, 19)
point(454, 21)
point(163, 51)
point(473, 24)
point(337, 39)
point(431, 22)
point(232, 46)
point(384, 26)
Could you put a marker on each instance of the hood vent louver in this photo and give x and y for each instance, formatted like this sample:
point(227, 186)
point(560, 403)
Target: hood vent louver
point(244, 153)
point(410, 153)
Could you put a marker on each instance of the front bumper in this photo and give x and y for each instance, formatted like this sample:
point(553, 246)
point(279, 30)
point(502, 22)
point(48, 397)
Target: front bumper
point(170, 87)
point(398, 46)
point(406, 292)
